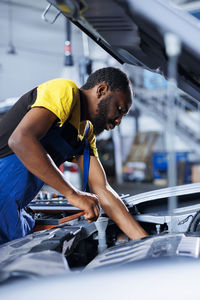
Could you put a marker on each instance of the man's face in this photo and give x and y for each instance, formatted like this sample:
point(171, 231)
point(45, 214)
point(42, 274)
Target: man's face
point(112, 107)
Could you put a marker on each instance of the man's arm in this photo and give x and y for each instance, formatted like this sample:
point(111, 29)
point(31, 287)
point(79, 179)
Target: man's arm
point(25, 143)
point(111, 202)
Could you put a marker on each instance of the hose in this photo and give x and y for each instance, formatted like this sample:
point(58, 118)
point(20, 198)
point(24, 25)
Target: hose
point(194, 223)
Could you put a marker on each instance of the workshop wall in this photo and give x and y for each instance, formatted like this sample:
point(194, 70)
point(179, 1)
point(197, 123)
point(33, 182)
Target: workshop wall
point(38, 47)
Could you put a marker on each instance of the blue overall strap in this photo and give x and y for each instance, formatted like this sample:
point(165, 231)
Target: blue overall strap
point(86, 159)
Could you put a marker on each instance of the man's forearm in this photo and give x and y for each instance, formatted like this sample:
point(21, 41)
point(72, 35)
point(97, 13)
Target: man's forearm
point(117, 211)
point(37, 161)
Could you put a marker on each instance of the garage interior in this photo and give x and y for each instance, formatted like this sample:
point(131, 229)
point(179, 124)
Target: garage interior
point(151, 159)
point(135, 160)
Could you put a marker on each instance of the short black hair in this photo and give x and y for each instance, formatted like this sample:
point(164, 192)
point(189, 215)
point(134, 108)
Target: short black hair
point(113, 77)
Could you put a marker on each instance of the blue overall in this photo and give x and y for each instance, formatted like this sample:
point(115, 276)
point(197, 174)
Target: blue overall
point(18, 186)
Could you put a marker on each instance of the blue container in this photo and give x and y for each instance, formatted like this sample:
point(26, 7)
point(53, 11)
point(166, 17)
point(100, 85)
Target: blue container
point(160, 165)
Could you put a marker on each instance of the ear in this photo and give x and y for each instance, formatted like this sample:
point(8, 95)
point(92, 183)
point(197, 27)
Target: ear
point(101, 90)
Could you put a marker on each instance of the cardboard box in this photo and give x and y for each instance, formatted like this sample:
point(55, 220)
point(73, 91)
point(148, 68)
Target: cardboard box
point(195, 173)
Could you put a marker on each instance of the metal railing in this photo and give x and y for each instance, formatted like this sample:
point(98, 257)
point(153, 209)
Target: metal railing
point(187, 112)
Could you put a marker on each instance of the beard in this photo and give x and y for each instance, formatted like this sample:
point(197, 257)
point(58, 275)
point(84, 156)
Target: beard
point(99, 120)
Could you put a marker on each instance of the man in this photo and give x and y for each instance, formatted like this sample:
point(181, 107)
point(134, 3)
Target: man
point(50, 124)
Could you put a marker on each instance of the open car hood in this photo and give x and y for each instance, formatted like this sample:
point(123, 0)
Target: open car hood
point(133, 32)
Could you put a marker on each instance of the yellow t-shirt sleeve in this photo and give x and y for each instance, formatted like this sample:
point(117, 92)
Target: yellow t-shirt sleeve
point(92, 140)
point(59, 96)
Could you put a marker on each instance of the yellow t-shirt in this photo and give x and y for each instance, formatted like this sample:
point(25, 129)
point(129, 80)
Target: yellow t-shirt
point(61, 96)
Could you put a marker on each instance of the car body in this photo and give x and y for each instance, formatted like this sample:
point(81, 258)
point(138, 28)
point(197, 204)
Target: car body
point(134, 32)
point(82, 246)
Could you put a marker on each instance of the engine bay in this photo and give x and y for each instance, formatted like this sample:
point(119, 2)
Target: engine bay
point(64, 242)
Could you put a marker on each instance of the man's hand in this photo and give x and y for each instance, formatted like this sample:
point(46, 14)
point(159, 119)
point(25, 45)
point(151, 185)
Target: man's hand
point(87, 202)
